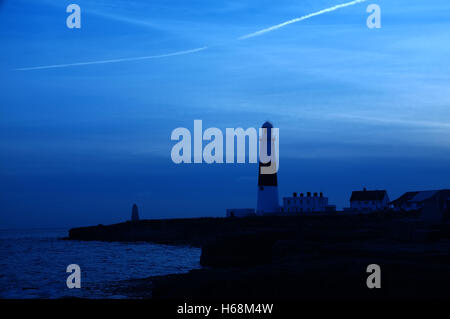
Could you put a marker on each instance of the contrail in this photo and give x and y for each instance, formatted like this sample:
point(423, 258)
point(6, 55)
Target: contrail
point(113, 60)
point(247, 36)
point(281, 25)
point(380, 120)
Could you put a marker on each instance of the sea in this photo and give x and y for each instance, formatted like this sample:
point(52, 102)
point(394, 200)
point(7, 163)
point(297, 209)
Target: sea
point(33, 264)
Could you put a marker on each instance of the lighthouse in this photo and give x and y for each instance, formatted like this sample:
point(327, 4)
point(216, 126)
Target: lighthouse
point(267, 201)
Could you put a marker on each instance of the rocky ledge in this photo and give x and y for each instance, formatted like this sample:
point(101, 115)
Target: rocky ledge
point(303, 257)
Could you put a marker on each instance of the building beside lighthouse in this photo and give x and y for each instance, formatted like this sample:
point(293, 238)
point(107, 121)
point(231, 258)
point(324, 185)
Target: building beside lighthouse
point(267, 196)
point(311, 203)
point(267, 201)
point(267, 188)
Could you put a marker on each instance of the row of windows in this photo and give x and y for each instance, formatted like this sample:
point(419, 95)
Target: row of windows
point(368, 202)
point(300, 201)
point(297, 210)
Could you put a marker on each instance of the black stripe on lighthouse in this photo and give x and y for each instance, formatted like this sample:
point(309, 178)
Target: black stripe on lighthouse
point(267, 179)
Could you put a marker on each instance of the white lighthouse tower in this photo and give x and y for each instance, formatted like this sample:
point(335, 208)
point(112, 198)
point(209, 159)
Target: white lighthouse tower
point(267, 202)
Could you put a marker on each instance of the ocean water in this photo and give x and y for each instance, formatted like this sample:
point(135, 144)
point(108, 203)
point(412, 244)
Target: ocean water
point(33, 264)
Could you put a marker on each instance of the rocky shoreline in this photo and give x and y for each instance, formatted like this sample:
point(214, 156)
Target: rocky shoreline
point(296, 257)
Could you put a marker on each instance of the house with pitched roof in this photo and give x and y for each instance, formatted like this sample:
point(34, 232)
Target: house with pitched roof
point(415, 200)
point(369, 201)
point(434, 205)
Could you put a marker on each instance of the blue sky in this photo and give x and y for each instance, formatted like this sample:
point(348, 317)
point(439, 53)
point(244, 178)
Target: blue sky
point(355, 106)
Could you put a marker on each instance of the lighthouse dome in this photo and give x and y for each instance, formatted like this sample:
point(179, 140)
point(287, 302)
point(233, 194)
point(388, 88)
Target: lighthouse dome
point(267, 125)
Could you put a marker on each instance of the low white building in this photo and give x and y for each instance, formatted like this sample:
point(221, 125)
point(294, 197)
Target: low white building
point(240, 212)
point(307, 204)
point(369, 201)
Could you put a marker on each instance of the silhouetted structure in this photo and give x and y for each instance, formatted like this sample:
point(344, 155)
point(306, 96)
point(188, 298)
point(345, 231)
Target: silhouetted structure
point(267, 201)
point(434, 204)
point(240, 212)
point(307, 204)
point(134, 213)
point(368, 201)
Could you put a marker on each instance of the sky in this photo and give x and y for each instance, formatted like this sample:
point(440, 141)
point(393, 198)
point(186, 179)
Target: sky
point(356, 107)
